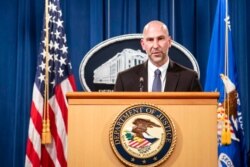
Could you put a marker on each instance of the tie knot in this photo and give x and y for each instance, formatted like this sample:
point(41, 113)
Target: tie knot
point(157, 72)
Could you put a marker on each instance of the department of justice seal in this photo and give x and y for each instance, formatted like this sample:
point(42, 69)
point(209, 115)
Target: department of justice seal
point(142, 135)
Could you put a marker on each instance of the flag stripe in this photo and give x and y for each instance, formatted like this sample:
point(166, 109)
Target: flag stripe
point(37, 99)
point(34, 138)
point(52, 152)
point(54, 130)
point(32, 159)
point(60, 98)
point(36, 119)
point(46, 158)
point(59, 123)
point(72, 82)
point(27, 160)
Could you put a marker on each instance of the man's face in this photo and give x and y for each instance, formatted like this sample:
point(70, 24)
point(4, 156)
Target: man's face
point(156, 42)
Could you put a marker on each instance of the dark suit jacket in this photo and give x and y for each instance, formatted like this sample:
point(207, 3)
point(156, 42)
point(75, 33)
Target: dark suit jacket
point(179, 78)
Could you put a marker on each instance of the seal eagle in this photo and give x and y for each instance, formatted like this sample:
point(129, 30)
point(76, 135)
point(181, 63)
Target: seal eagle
point(141, 125)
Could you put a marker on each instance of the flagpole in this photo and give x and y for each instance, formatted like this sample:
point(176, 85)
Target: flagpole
point(226, 134)
point(46, 135)
point(108, 18)
point(226, 38)
point(226, 46)
point(173, 19)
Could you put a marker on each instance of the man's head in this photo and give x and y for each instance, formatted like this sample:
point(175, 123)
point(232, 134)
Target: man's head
point(156, 42)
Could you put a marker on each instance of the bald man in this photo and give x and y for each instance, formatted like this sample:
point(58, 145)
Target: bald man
point(171, 76)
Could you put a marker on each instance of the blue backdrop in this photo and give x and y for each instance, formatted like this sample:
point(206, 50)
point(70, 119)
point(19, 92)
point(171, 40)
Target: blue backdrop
point(88, 22)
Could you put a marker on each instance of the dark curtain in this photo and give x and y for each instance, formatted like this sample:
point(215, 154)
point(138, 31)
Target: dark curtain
point(88, 22)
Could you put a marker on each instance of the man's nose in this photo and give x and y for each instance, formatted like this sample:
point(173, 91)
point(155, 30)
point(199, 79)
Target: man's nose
point(155, 44)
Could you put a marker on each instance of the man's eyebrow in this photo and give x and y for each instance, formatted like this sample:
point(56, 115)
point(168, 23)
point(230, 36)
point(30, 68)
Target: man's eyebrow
point(160, 36)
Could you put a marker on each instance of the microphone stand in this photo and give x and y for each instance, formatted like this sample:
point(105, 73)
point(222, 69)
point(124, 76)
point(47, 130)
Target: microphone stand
point(141, 84)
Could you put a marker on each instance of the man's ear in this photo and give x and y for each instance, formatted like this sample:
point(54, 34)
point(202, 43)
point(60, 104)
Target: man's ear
point(170, 41)
point(142, 44)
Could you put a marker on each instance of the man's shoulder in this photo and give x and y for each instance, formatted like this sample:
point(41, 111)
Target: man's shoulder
point(180, 68)
point(135, 69)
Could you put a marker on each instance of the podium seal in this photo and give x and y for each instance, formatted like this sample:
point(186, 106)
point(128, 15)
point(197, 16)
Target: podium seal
point(143, 135)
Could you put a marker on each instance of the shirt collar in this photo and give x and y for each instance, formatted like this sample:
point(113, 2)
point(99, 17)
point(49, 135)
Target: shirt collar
point(163, 68)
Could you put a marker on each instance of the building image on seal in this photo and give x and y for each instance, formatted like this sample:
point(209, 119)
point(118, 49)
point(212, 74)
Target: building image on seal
point(107, 72)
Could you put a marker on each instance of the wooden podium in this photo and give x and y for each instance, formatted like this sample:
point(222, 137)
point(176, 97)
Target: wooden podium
point(91, 115)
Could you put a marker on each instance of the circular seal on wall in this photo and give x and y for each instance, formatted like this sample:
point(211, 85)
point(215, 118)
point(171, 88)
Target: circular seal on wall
point(143, 135)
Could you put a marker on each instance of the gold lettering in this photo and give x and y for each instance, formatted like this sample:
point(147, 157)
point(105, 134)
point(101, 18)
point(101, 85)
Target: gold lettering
point(125, 116)
point(168, 140)
point(119, 123)
point(135, 110)
point(117, 142)
point(150, 111)
point(158, 116)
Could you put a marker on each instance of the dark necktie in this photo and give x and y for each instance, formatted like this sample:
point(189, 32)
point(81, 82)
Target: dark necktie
point(157, 81)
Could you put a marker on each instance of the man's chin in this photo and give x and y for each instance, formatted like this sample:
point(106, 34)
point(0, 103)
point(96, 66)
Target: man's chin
point(157, 61)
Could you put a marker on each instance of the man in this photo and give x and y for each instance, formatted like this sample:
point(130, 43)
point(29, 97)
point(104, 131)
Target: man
point(159, 73)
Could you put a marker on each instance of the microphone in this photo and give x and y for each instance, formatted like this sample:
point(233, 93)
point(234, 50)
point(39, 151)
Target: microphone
point(141, 84)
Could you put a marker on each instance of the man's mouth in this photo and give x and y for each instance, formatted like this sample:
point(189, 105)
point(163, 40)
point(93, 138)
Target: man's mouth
point(156, 53)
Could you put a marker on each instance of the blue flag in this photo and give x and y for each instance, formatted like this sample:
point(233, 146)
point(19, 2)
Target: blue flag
point(221, 76)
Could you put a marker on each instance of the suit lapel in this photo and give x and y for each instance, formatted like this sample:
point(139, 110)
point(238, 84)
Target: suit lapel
point(171, 78)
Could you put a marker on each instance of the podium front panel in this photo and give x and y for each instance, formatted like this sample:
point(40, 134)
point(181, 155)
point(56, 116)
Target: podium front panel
point(91, 116)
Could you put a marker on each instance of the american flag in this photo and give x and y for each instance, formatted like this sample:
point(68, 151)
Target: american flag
point(61, 81)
